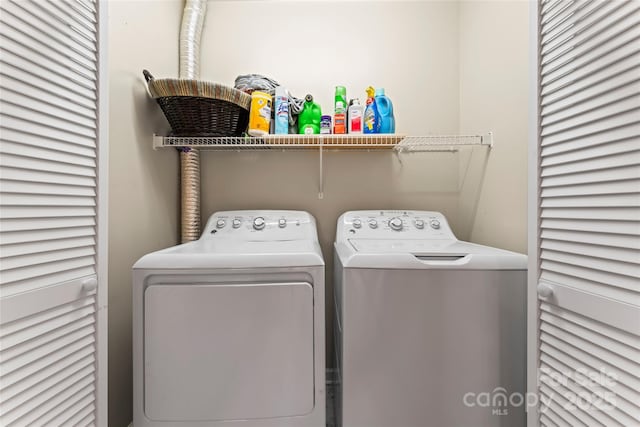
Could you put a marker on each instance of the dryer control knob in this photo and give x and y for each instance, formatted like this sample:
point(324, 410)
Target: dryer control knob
point(435, 224)
point(236, 223)
point(221, 223)
point(373, 223)
point(259, 223)
point(419, 224)
point(282, 223)
point(357, 223)
point(395, 223)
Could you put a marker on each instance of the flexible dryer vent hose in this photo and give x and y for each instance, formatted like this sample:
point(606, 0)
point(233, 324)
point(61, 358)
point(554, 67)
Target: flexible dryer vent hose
point(190, 35)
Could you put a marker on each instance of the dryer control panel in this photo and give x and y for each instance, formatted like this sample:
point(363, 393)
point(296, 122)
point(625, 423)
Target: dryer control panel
point(393, 224)
point(263, 225)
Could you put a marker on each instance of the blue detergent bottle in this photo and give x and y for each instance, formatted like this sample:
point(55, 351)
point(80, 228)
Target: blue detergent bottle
point(386, 123)
point(370, 118)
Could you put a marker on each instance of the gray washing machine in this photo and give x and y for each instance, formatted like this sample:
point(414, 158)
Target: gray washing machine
point(430, 331)
point(228, 331)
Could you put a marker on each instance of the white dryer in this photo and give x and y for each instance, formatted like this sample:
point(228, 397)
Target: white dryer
point(430, 331)
point(229, 330)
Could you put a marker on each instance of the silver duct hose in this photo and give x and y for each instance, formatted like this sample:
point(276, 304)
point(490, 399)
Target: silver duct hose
point(190, 198)
point(190, 35)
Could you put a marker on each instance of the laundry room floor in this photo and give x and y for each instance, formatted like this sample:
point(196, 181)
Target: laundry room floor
point(332, 386)
point(331, 405)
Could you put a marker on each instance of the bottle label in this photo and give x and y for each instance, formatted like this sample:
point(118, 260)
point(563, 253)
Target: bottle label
point(265, 112)
point(356, 123)
point(282, 107)
point(339, 124)
point(369, 120)
point(325, 125)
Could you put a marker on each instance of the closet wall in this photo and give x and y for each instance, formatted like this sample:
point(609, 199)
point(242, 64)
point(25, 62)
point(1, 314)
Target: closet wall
point(143, 187)
point(448, 66)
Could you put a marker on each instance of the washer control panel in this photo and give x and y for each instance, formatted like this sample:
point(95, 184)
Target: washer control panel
point(393, 224)
point(261, 225)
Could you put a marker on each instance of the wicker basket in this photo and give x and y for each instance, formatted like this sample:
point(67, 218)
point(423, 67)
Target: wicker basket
point(199, 108)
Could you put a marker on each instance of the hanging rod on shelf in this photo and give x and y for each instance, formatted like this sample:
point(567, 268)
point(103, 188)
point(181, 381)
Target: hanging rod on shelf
point(414, 144)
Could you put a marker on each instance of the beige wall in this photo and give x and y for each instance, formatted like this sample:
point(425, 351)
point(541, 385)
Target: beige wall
point(423, 61)
point(494, 96)
point(143, 183)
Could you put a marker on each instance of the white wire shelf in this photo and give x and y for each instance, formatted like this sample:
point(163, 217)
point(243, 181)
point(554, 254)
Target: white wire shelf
point(400, 143)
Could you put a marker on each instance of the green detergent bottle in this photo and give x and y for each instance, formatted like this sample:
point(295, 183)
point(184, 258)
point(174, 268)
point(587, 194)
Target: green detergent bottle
point(309, 118)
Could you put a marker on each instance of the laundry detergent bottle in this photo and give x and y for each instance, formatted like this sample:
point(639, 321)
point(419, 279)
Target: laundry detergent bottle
point(309, 118)
point(386, 123)
point(340, 116)
point(370, 112)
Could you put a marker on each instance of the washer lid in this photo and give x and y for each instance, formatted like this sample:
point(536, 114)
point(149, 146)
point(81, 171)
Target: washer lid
point(426, 254)
point(234, 254)
point(402, 246)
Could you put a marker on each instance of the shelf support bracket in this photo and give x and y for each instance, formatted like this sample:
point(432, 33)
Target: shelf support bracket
point(157, 141)
point(489, 137)
point(398, 151)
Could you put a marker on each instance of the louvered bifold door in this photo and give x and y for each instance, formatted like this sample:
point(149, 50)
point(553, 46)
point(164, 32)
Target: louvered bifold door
point(588, 286)
point(48, 218)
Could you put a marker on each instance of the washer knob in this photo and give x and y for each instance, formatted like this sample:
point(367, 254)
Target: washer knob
point(282, 223)
point(435, 224)
point(373, 223)
point(236, 223)
point(259, 223)
point(221, 223)
point(419, 224)
point(395, 223)
point(357, 223)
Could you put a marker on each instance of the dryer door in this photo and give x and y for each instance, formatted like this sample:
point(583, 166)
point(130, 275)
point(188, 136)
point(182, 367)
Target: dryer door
point(228, 351)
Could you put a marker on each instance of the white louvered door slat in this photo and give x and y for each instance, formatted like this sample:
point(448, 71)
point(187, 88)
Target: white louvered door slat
point(36, 128)
point(43, 107)
point(18, 230)
point(10, 135)
point(16, 406)
point(46, 119)
point(66, 41)
point(51, 126)
point(586, 221)
point(25, 187)
point(43, 94)
point(587, 153)
point(82, 408)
